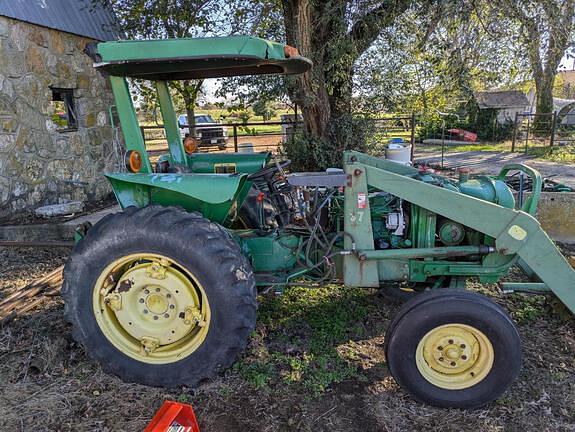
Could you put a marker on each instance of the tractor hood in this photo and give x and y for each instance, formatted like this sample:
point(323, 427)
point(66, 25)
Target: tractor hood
point(213, 195)
point(198, 58)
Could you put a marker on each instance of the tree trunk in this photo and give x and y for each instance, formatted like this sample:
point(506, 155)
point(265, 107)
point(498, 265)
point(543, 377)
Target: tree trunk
point(542, 122)
point(323, 32)
point(323, 93)
point(190, 91)
point(190, 113)
point(544, 90)
point(308, 90)
point(545, 50)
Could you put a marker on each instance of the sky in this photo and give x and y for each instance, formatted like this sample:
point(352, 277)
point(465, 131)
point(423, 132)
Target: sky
point(567, 64)
point(212, 85)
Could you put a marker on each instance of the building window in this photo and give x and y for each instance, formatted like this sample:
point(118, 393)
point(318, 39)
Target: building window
point(63, 109)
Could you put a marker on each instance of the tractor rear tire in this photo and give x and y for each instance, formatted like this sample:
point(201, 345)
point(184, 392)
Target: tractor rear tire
point(453, 348)
point(204, 317)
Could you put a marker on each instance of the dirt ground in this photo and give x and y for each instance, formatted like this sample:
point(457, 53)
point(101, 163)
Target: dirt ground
point(315, 363)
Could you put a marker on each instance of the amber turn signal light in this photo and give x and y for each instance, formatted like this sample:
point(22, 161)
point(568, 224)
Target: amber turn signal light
point(290, 51)
point(133, 161)
point(190, 145)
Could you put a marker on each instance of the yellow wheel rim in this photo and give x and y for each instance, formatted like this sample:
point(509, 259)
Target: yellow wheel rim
point(454, 356)
point(151, 308)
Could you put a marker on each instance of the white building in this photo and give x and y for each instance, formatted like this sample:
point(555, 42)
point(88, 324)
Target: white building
point(507, 103)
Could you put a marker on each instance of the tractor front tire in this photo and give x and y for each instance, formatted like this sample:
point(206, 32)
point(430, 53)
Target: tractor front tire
point(159, 296)
point(453, 348)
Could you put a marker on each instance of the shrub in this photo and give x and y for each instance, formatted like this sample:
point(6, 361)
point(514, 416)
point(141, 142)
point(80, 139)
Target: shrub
point(311, 153)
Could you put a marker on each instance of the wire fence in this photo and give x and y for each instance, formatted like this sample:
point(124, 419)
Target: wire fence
point(542, 130)
point(270, 136)
point(532, 134)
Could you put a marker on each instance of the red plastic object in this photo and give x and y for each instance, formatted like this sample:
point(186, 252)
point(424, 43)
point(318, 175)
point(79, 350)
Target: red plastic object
point(464, 135)
point(174, 417)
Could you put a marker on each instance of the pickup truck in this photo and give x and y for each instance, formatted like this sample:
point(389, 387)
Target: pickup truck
point(207, 130)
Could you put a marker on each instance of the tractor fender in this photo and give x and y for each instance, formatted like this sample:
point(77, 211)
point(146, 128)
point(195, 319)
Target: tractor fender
point(213, 195)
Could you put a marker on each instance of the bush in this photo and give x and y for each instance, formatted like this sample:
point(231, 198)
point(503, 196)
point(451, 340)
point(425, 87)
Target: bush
point(264, 109)
point(311, 153)
point(482, 122)
point(244, 116)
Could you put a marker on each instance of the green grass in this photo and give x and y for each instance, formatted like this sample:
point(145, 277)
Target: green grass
point(229, 117)
point(498, 147)
point(559, 154)
point(527, 308)
point(297, 336)
point(225, 117)
point(256, 130)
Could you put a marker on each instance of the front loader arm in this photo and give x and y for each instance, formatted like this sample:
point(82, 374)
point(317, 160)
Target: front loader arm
point(514, 231)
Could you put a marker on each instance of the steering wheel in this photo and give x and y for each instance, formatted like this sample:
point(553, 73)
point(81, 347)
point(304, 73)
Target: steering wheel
point(269, 171)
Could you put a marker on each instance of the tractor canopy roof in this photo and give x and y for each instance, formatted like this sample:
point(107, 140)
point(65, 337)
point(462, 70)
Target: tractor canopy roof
point(198, 58)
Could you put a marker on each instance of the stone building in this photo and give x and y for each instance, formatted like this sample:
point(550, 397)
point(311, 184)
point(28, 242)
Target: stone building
point(56, 134)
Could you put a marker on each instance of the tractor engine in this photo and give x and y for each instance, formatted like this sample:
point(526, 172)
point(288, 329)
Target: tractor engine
point(310, 206)
point(398, 224)
point(390, 222)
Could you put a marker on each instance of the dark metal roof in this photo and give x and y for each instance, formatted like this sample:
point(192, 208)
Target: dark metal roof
point(81, 17)
point(501, 99)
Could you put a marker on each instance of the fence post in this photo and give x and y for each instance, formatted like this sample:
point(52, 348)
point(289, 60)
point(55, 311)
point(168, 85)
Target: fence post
point(553, 129)
point(514, 131)
point(412, 136)
point(442, 142)
point(527, 134)
point(235, 138)
point(295, 119)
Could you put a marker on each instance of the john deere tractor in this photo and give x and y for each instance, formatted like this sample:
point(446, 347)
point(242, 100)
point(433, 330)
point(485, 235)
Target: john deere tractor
point(164, 292)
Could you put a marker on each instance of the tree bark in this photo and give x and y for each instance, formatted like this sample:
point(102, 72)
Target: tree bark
point(557, 22)
point(189, 90)
point(308, 90)
point(321, 31)
point(544, 94)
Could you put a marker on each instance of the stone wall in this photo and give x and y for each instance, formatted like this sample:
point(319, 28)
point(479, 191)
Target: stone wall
point(40, 165)
point(556, 214)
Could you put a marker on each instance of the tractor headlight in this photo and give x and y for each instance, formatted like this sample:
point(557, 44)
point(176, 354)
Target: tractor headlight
point(133, 161)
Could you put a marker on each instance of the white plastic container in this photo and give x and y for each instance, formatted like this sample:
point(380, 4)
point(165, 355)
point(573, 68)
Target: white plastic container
point(398, 153)
point(246, 147)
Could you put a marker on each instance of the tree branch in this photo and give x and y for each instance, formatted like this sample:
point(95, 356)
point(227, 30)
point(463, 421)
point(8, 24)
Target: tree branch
point(368, 27)
point(532, 37)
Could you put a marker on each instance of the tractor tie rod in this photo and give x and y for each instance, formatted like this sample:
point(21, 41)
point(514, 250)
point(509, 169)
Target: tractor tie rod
point(446, 252)
point(36, 243)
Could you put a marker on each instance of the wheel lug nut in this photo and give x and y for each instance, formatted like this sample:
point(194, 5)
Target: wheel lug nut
point(146, 291)
point(463, 357)
point(157, 289)
point(166, 315)
point(439, 348)
point(462, 346)
point(141, 300)
point(172, 306)
point(155, 317)
point(440, 358)
point(450, 341)
point(452, 363)
point(169, 295)
point(145, 311)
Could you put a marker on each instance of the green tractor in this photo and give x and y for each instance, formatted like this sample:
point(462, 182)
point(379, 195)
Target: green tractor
point(164, 292)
